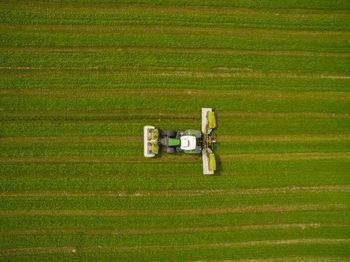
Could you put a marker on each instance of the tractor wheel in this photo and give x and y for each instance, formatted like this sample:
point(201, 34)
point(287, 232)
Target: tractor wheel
point(170, 133)
point(171, 150)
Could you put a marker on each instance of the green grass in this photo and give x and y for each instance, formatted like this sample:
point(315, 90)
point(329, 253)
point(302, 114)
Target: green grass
point(80, 79)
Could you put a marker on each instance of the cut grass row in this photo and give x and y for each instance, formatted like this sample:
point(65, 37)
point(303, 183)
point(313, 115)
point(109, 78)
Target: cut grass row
point(134, 178)
point(114, 60)
point(52, 140)
point(126, 148)
point(165, 103)
point(178, 43)
point(301, 250)
point(164, 170)
point(337, 217)
point(264, 4)
point(72, 79)
point(177, 239)
point(246, 127)
point(174, 16)
point(154, 204)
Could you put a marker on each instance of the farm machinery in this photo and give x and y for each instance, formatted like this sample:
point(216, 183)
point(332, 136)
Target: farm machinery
point(188, 141)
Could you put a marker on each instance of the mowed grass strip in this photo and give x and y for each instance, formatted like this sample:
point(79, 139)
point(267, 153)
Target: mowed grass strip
point(174, 212)
point(73, 249)
point(183, 159)
point(132, 60)
point(340, 217)
point(195, 93)
point(169, 230)
point(173, 79)
point(136, 139)
point(57, 13)
point(167, 193)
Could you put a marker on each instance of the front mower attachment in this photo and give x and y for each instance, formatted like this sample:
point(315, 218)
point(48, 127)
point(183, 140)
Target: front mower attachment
point(208, 157)
point(150, 141)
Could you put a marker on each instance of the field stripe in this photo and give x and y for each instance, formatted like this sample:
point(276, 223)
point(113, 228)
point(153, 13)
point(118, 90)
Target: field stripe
point(70, 139)
point(182, 72)
point(180, 193)
point(168, 230)
point(202, 50)
point(127, 114)
point(83, 249)
point(129, 8)
point(281, 138)
point(138, 139)
point(177, 158)
point(182, 30)
point(173, 212)
point(285, 156)
point(256, 94)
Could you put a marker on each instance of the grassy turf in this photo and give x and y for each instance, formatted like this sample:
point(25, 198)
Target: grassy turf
point(80, 79)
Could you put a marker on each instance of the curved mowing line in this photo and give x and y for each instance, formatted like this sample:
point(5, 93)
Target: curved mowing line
point(256, 94)
point(138, 139)
point(194, 50)
point(247, 244)
point(168, 230)
point(183, 72)
point(180, 193)
point(177, 158)
point(172, 212)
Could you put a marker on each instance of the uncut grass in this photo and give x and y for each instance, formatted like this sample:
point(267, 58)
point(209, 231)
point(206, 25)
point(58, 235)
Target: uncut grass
point(172, 239)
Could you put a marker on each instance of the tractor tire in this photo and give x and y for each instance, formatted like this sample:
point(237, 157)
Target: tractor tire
point(171, 150)
point(170, 133)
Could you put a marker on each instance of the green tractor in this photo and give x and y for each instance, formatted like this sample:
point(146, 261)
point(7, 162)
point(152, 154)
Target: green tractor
point(188, 141)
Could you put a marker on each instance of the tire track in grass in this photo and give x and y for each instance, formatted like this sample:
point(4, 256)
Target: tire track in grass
point(168, 230)
point(176, 159)
point(247, 244)
point(180, 193)
point(172, 212)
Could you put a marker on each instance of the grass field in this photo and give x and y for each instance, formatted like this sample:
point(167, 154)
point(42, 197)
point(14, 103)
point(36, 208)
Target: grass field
point(80, 79)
